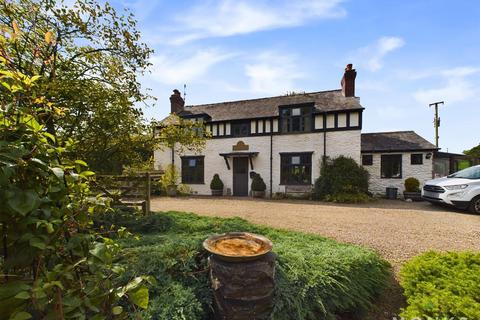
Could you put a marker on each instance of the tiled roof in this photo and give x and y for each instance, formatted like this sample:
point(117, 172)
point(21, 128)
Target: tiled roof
point(394, 141)
point(267, 107)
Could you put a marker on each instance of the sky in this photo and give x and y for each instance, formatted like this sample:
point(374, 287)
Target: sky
point(407, 53)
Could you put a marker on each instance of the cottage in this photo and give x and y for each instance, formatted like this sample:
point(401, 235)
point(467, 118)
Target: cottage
point(391, 157)
point(284, 139)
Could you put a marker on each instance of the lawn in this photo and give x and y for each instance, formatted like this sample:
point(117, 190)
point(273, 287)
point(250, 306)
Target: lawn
point(316, 278)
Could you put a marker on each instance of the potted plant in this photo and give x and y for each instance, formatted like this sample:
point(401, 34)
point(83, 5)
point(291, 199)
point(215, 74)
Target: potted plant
point(169, 181)
point(216, 186)
point(258, 186)
point(412, 189)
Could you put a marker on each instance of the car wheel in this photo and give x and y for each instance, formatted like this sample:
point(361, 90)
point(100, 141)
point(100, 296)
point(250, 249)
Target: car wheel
point(475, 205)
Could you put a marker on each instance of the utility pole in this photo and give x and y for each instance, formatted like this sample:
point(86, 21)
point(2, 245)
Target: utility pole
point(436, 121)
point(184, 93)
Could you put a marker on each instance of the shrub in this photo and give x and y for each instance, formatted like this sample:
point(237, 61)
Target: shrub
point(343, 197)
point(442, 286)
point(340, 176)
point(412, 185)
point(170, 177)
point(258, 184)
point(316, 278)
point(217, 183)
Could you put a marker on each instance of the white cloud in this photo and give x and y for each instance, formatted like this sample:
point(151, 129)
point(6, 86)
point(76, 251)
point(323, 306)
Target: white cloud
point(455, 90)
point(173, 70)
point(231, 17)
point(272, 73)
point(374, 54)
point(457, 86)
point(460, 72)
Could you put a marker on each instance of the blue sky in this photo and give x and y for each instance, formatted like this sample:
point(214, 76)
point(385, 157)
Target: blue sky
point(407, 54)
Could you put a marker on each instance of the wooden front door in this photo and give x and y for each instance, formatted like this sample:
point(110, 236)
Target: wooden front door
point(240, 177)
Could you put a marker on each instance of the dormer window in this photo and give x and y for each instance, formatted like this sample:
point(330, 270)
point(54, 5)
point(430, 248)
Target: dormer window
point(296, 118)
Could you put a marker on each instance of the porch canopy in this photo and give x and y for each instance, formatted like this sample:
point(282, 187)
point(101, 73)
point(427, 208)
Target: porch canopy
point(239, 154)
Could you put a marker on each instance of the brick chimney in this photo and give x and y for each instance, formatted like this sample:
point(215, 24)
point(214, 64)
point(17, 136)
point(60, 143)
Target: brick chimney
point(348, 81)
point(176, 102)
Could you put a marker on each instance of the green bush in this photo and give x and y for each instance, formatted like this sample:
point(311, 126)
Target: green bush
point(340, 176)
point(316, 278)
point(442, 286)
point(258, 184)
point(353, 197)
point(412, 185)
point(216, 183)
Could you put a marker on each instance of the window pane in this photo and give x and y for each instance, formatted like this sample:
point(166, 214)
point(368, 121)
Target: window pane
point(296, 169)
point(295, 124)
point(296, 160)
point(192, 170)
point(416, 158)
point(391, 166)
point(367, 160)
point(296, 112)
point(240, 129)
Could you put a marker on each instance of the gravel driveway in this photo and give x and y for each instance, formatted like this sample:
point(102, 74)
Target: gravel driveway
point(398, 230)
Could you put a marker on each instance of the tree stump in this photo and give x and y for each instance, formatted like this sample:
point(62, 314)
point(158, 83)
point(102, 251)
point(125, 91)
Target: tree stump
point(243, 290)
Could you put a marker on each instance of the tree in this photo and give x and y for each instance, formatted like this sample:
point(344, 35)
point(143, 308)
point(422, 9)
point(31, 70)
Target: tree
point(53, 264)
point(474, 152)
point(88, 58)
point(180, 135)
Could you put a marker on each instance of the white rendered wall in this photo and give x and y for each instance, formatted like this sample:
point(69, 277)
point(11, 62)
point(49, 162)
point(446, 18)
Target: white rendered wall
point(422, 172)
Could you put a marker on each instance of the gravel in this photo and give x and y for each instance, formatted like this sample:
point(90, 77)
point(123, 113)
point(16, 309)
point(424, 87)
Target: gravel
point(396, 229)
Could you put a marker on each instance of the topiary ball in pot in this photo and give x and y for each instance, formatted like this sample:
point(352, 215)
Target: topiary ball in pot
point(216, 186)
point(412, 189)
point(258, 186)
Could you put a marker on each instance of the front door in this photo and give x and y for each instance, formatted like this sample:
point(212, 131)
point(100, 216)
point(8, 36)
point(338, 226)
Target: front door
point(240, 177)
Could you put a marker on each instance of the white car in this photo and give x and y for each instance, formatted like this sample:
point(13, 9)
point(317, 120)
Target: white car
point(460, 189)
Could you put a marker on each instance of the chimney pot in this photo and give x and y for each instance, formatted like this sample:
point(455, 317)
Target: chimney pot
point(176, 102)
point(348, 81)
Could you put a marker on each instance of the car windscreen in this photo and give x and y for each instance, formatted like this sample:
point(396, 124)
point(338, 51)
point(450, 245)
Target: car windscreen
point(469, 173)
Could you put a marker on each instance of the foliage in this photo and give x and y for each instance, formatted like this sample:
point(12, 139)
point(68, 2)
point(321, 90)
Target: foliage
point(442, 286)
point(340, 176)
point(258, 184)
point(89, 57)
point(216, 183)
point(170, 177)
point(348, 197)
point(316, 277)
point(412, 185)
point(182, 135)
point(474, 152)
point(53, 264)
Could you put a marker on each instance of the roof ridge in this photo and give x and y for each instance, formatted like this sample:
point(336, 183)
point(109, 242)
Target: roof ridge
point(264, 98)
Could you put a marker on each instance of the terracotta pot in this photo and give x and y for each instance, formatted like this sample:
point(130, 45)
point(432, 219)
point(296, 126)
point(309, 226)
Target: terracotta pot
point(258, 194)
point(217, 193)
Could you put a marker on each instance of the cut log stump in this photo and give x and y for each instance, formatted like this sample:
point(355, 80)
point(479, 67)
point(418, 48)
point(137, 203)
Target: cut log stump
point(243, 290)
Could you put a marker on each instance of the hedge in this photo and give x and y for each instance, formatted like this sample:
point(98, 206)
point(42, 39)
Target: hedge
point(316, 278)
point(442, 286)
